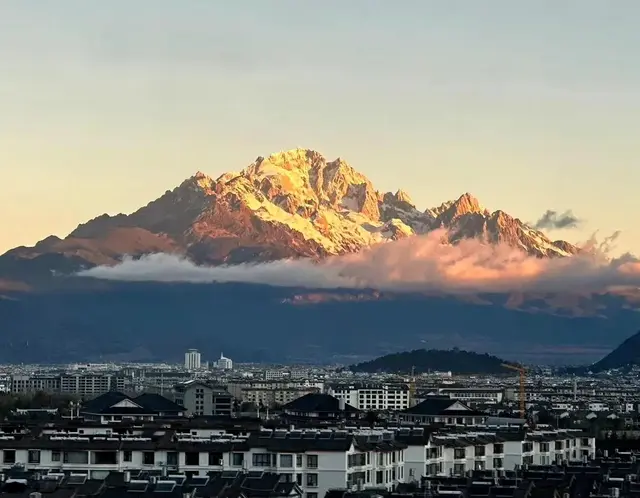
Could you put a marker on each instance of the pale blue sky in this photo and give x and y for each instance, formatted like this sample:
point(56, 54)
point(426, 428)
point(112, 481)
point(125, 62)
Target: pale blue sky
point(530, 105)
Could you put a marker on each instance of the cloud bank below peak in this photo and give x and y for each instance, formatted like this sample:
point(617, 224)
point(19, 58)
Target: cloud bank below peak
point(415, 264)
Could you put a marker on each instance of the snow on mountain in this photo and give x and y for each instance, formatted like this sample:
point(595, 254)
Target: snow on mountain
point(291, 204)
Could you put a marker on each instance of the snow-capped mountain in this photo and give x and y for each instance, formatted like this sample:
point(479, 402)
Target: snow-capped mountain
point(290, 204)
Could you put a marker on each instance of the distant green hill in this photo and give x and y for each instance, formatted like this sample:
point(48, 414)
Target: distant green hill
point(422, 360)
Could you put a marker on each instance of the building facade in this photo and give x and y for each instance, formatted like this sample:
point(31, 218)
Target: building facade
point(376, 397)
point(317, 460)
point(85, 385)
point(201, 398)
point(192, 360)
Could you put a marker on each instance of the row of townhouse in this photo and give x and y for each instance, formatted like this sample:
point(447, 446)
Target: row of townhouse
point(477, 449)
point(317, 460)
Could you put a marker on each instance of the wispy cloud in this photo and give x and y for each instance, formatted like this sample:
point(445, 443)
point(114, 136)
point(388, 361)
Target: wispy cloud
point(554, 220)
point(414, 264)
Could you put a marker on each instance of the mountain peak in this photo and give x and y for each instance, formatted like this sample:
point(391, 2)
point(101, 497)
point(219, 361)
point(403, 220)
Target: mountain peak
point(450, 211)
point(402, 196)
point(199, 181)
point(469, 203)
point(290, 203)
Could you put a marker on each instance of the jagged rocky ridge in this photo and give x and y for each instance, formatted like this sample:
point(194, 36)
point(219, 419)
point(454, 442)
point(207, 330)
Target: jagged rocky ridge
point(290, 204)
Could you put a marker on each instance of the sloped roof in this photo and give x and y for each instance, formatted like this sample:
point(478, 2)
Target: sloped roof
point(117, 402)
point(158, 403)
point(440, 406)
point(317, 403)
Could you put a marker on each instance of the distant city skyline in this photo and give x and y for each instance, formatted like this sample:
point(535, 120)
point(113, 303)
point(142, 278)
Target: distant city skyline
point(530, 106)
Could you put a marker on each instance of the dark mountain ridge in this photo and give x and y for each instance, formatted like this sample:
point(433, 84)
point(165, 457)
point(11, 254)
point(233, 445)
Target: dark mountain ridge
point(626, 355)
point(146, 321)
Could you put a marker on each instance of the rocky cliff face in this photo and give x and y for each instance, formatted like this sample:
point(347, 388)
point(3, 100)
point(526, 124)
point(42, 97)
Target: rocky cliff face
point(290, 204)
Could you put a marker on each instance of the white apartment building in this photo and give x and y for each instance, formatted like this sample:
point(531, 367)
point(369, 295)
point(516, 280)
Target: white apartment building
point(367, 397)
point(89, 385)
point(473, 394)
point(456, 453)
point(192, 360)
point(224, 363)
point(317, 460)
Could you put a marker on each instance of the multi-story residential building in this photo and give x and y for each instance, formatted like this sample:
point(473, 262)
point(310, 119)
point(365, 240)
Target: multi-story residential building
point(271, 392)
point(81, 384)
point(34, 383)
point(485, 395)
point(456, 453)
point(90, 385)
point(201, 398)
point(5, 383)
point(367, 397)
point(275, 397)
point(192, 360)
point(317, 460)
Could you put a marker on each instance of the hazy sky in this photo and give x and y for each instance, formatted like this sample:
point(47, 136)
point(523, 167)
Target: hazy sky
point(530, 105)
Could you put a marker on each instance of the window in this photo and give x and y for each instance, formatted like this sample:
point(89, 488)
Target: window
point(172, 458)
point(192, 458)
point(312, 461)
point(544, 447)
point(480, 451)
point(237, 459)
point(262, 459)
point(215, 458)
point(55, 456)
point(9, 456)
point(498, 449)
point(527, 447)
point(498, 463)
point(312, 480)
point(527, 460)
point(148, 458)
point(81, 457)
point(559, 445)
point(584, 441)
point(379, 477)
point(104, 457)
point(312, 495)
point(286, 461)
point(298, 460)
point(127, 455)
point(299, 479)
point(459, 453)
point(459, 469)
point(34, 456)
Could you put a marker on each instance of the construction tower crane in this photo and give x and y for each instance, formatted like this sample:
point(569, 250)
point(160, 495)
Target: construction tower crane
point(412, 387)
point(522, 373)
